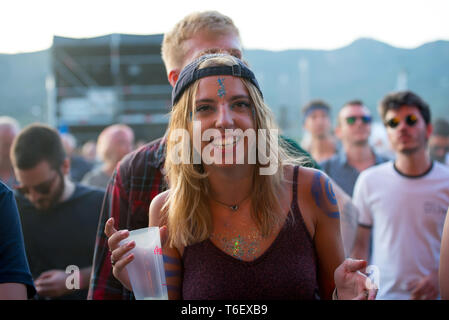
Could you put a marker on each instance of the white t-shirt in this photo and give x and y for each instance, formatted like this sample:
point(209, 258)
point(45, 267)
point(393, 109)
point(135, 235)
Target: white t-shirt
point(407, 217)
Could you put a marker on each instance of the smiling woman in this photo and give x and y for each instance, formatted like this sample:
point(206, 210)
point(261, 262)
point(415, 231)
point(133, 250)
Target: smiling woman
point(235, 231)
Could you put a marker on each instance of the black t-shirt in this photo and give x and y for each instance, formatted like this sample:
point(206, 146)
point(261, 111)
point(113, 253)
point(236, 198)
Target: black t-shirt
point(13, 263)
point(64, 235)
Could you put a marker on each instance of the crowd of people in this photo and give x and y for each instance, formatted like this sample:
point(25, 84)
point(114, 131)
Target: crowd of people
point(307, 229)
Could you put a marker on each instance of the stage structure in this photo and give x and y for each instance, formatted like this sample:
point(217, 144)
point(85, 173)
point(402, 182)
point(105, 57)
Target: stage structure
point(115, 78)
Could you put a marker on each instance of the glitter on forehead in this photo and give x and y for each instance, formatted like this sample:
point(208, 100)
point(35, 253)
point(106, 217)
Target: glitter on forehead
point(221, 90)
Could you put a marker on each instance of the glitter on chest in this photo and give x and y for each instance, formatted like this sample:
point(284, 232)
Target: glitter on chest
point(243, 248)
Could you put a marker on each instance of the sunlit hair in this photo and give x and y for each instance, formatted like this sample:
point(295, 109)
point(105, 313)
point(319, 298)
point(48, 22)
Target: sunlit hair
point(174, 49)
point(186, 210)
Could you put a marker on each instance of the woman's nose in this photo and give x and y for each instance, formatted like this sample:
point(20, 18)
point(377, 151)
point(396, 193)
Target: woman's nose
point(224, 117)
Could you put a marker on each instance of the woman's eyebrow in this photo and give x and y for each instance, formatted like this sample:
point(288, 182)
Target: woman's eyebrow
point(240, 96)
point(206, 100)
point(236, 97)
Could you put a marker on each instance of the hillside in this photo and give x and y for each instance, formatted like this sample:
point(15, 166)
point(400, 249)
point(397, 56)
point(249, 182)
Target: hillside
point(366, 69)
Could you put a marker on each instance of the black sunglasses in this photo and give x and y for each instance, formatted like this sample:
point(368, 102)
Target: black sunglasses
point(410, 120)
point(43, 188)
point(365, 119)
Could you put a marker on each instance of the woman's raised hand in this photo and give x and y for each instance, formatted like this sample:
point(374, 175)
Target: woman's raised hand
point(118, 256)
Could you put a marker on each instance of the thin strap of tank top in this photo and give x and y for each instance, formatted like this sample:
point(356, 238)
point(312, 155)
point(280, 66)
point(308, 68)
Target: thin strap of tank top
point(295, 185)
point(295, 182)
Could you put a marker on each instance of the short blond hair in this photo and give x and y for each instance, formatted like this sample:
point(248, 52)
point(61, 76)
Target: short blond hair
point(173, 48)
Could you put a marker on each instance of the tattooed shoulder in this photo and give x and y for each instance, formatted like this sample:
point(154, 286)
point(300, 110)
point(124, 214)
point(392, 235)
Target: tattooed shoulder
point(324, 195)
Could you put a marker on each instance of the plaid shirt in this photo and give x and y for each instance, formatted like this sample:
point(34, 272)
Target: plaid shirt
point(136, 181)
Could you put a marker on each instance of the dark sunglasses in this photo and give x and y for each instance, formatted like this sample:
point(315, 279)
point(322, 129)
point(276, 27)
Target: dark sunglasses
point(410, 120)
point(43, 188)
point(352, 120)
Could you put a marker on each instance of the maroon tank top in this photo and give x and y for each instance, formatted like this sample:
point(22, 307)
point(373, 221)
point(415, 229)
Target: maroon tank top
point(286, 270)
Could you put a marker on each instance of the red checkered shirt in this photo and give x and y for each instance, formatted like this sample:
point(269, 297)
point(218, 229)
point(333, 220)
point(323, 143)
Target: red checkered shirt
point(137, 179)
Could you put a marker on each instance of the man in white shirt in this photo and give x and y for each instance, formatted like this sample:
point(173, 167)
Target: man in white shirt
point(403, 204)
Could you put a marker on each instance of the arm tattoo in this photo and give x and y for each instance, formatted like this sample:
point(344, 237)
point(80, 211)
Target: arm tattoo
point(171, 260)
point(330, 192)
point(173, 288)
point(172, 273)
point(324, 199)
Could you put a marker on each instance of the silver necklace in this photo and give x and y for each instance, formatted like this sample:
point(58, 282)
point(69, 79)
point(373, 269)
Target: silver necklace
point(232, 207)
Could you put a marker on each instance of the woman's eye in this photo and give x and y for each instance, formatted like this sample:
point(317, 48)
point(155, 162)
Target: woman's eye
point(203, 108)
point(242, 104)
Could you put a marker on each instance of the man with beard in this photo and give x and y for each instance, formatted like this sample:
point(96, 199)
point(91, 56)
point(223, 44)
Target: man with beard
point(59, 218)
point(403, 204)
point(353, 129)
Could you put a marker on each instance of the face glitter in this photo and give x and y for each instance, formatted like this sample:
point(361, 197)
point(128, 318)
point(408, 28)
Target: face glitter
point(222, 90)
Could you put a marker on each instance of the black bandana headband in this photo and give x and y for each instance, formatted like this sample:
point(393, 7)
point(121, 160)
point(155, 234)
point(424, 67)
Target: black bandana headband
point(191, 73)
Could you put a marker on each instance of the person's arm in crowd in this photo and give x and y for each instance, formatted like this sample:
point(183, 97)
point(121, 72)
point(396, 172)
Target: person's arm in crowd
point(13, 291)
point(16, 281)
point(444, 261)
point(85, 274)
point(327, 237)
point(348, 211)
point(348, 218)
point(361, 246)
point(363, 221)
point(345, 275)
point(172, 257)
point(53, 283)
point(425, 288)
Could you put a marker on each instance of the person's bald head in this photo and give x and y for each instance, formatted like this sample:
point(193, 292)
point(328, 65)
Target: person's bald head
point(114, 142)
point(9, 129)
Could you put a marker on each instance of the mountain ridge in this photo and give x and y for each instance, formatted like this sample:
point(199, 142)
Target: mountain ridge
point(366, 69)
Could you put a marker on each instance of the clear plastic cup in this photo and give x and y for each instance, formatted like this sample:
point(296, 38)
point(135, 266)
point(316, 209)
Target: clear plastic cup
point(146, 272)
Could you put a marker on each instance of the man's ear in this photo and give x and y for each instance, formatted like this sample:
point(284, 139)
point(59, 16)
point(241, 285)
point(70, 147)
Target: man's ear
point(429, 130)
point(173, 77)
point(65, 168)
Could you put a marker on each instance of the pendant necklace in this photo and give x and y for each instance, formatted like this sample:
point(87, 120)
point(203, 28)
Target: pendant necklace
point(232, 207)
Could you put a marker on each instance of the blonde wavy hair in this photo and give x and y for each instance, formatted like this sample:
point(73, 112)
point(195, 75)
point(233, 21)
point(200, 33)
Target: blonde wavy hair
point(186, 211)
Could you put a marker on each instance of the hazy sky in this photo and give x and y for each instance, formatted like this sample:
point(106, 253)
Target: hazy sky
point(275, 25)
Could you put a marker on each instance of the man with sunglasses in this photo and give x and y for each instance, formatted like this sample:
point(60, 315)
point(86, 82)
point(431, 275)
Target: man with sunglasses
point(403, 204)
point(59, 218)
point(353, 129)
